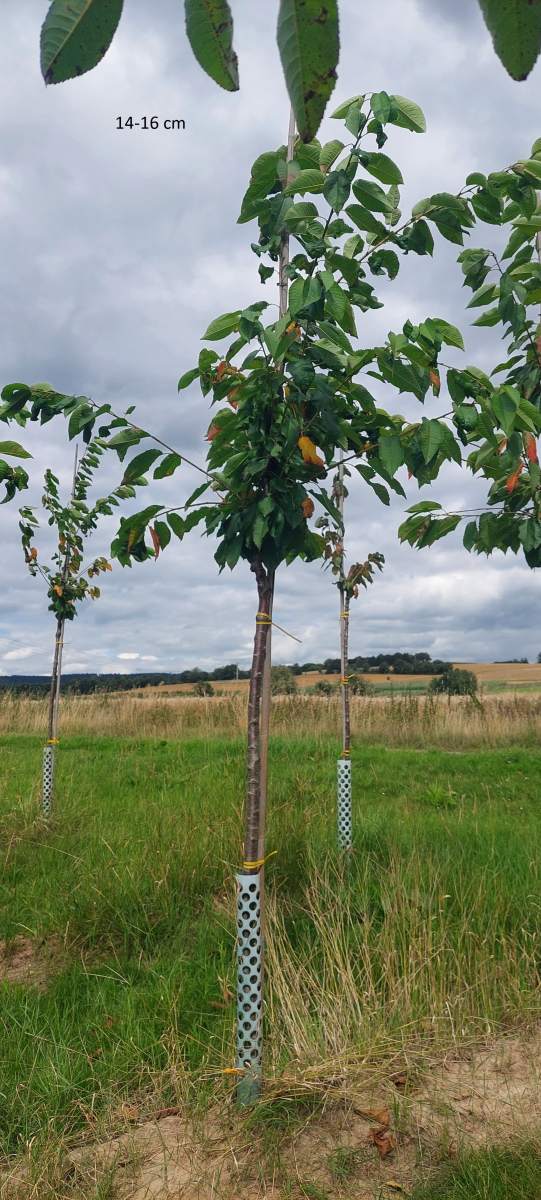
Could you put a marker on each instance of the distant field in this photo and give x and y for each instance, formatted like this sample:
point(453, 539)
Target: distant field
point(502, 674)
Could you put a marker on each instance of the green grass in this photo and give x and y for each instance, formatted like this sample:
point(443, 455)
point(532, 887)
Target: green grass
point(134, 882)
point(489, 1175)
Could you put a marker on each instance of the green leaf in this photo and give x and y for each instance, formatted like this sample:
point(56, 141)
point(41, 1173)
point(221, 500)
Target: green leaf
point(484, 295)
point(431, 437)
point(364, 219)
point(336, 190)
point(177, 524)
point(410, 116)
point(531, 170)
point(372, 196)
point(491, 317)
point(209, 26)
point(14, 450)
point(390, 452)
point(505, 404)
point(126, 437)
point(343, 109)
point(424, 506)
point(306, 181)
point(298, 215)
point(515, 26)
point(381, 106)
point(382, 167)
point(138, 465)
point(448, 333)
point(168, 466)
point(222, 326)
point(309, 48)
point(329, 153)
point(259, 529)
point(163, 534)
point(75, 36)
point(263, 177)
point(471, 534)
point(487, 207)
point(188, 378)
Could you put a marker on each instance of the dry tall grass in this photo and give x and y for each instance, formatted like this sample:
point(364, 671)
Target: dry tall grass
point(406, 720)
point(409, 977)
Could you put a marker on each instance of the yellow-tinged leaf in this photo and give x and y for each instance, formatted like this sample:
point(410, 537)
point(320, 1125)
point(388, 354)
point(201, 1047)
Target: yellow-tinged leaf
point(309, 451)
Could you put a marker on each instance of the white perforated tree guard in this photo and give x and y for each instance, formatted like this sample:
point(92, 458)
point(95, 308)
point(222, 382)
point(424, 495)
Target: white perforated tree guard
point(343, 807)
point(249, 987)
point(48, 780)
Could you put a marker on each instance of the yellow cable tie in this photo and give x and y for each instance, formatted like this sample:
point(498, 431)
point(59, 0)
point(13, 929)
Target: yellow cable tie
point(345, 679)
point(254, 865)
point(345, 754)
point(233, 1071)
point(53, 742)
point(265, 619)
point(345, 615)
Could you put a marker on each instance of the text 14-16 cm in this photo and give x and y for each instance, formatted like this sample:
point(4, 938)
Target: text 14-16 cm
point(150, 123)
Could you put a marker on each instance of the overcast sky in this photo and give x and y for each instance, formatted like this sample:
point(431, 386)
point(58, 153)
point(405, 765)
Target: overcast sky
point(117, 249)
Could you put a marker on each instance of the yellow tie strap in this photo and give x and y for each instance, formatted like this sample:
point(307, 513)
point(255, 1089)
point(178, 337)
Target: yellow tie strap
point(345, 615)
point(265, 619)
point(53, 742)
point(345, 680)
point(256, 863)
point(345, 754)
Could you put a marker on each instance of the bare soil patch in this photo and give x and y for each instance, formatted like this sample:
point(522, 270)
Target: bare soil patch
point(356, 1149)
point(26, 961)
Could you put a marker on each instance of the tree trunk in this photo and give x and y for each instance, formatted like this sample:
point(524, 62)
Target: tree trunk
point(56, 677)
point(49, 750)
point(253, 812)
point(283, 290)
point(249, 880)
point(343, 775)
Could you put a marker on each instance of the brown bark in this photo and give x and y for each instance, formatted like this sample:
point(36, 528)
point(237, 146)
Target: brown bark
point(344, 660)
point(266, 702)
point(54, 691)
point(266, 707)
point(56, 674)
point(253, 829)
point(344, 624)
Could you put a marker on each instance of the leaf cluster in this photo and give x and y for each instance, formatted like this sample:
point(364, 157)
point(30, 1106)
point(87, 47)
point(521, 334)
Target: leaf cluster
point(76, 35)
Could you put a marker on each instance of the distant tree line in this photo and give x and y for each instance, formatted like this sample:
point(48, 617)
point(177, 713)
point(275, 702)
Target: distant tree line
point(399, 663)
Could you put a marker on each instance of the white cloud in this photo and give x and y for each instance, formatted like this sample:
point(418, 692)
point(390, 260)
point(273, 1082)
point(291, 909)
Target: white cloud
point(15, 655)
point(141, 264)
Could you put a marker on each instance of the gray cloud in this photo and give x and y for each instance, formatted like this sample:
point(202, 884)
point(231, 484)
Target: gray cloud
point(117, 248)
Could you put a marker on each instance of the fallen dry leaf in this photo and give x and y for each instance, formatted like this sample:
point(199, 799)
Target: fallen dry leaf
point(400, 1079)
point(129, 1112)
point(384, 1141)
point(381, 1115)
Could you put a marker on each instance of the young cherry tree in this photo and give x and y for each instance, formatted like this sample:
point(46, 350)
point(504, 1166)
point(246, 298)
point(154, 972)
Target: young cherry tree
point(498, 417)
point(348, 582)
point(67, 579)
point(292, 406)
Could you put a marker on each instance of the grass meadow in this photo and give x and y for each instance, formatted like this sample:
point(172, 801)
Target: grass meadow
point(427, 944)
